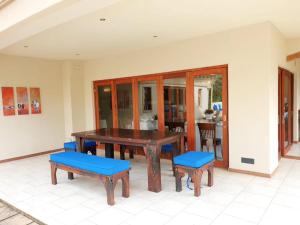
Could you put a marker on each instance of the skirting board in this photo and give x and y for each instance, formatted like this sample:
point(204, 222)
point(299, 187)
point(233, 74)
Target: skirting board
point(29, 156)
point(291, 157)
point(251, 172)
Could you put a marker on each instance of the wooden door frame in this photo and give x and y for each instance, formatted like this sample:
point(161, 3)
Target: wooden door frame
point(222, 70)
point(282, 150)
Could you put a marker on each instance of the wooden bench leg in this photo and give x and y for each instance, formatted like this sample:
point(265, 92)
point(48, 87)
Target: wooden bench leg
point(53, 174)
point(178, 181)
point(197, 175)
point(210, 171)
point(109, 186)
point(125, 185)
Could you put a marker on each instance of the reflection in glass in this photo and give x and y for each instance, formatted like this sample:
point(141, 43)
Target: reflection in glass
point(124, 104)
point(105, 107)
point(175, 103)
point(286, 110)
point(208, 114)
point(148, 105)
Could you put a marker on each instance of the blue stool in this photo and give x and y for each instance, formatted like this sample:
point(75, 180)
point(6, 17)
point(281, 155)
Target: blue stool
point(194, 164)
point(89, 146)
point(167, 148)
point(70, 146)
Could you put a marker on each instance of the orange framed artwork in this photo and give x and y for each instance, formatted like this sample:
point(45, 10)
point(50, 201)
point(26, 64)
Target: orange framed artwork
point(22, 101)
point(35, 101)
point(8, 101)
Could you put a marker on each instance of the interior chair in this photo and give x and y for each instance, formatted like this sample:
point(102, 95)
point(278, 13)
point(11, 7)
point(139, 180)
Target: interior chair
point(208, 131)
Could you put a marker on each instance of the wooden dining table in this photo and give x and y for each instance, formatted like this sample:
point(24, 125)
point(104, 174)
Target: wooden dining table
point(151, 142)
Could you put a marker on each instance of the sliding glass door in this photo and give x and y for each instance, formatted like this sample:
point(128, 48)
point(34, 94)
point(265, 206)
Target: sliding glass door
point(124, 105)
point(188, 101)
point(104, 105)
point(208, 120)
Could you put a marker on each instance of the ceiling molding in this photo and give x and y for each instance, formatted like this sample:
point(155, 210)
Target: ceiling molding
point(4, 3)
point(294, 56)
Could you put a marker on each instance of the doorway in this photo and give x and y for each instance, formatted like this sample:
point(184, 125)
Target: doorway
point(285, 111)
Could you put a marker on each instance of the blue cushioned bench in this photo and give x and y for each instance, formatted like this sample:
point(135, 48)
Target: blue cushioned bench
point(108, 170)
point(194, 163)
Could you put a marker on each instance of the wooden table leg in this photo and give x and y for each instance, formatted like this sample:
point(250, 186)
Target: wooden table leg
point(122, 152)
point(109, 150)
point(79, 148)
point(182, 147)
point(79, 141)
point(154, 174)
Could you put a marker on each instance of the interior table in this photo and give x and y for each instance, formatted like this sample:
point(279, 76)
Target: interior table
point(150, 141)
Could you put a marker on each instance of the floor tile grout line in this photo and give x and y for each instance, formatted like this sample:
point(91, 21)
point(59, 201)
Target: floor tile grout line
point(9, 216)
point(265, 211)
point(18, 211)
point(225, 208)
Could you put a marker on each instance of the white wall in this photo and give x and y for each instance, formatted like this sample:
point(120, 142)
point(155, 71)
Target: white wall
point(73, 88)
point(27, 134)
point(247, 53)
point(293, 45)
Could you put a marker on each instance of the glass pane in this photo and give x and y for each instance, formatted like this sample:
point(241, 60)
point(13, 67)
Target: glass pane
point(286, 110)
point(105, 107)
point(148, 105)
point(175, 104)
point(124, 104)
point(208, 114)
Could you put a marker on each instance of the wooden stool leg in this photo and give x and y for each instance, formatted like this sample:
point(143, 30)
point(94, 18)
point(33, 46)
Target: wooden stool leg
point(125, 186)
point(197, 175)
point(178, 181)
point(173, 167)
point(53, 174)
point(210, 171)
point(109, 186)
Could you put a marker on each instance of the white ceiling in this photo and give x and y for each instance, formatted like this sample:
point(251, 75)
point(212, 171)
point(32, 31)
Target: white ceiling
point(131, 24)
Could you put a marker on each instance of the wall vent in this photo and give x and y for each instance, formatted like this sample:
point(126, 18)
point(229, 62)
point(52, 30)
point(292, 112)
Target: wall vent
point(247, 160)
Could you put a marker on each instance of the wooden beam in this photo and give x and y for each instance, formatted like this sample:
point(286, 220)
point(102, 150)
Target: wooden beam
point(293, 56)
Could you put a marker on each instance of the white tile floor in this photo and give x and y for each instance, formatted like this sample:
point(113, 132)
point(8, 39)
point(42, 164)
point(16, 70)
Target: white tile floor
point(234, 198)
point(295, 150)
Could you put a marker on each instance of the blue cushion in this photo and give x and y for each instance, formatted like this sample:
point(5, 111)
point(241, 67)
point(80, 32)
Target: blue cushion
point(70, 145)
point(88, 143)
point(194, 159)
point(91, 163)
point(167, 148)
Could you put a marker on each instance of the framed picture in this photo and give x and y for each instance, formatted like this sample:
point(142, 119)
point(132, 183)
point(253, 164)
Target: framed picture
point(22, 101)
point(35, 101)
point(8, 101)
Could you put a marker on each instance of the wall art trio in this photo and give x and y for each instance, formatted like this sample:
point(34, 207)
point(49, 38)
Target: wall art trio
point(8, 101)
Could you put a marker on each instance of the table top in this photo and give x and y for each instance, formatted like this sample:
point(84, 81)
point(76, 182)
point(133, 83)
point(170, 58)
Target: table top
point(127, 135)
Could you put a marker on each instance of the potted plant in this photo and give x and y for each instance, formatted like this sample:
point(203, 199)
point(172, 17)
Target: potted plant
point(209, 114)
